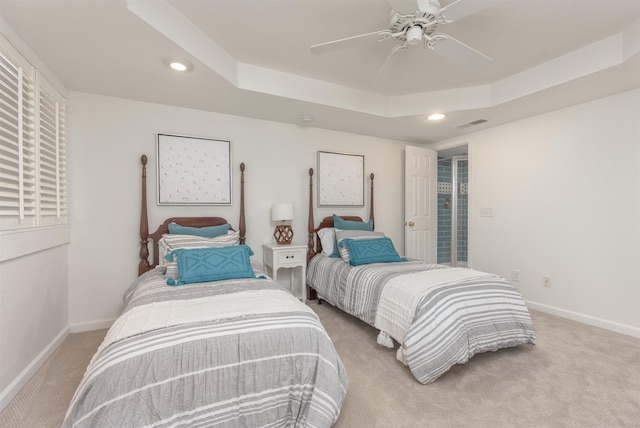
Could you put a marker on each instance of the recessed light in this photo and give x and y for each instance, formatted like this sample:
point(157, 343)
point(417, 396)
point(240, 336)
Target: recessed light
point(436, 116)
point(178, 64)
point(307, 118)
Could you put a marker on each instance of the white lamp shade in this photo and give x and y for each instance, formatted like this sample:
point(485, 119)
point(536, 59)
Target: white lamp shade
point(281, 212)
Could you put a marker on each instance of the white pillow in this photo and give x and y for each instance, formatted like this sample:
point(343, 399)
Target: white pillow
point(327, 237)
point(353, 234)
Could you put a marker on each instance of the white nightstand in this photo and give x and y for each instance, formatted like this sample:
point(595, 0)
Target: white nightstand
point(276, 256)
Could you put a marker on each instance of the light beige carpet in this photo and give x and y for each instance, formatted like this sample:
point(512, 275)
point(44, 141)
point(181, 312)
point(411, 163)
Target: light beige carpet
point(43, 401)
point(576, 376)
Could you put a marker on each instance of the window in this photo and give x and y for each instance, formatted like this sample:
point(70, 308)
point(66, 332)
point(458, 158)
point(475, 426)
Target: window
point(33, 168)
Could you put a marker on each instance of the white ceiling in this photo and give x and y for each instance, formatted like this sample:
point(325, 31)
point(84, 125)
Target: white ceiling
point(252, 58)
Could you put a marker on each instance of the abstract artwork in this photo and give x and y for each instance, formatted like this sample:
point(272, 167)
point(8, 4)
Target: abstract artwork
point(193, 171)
point(340, 180)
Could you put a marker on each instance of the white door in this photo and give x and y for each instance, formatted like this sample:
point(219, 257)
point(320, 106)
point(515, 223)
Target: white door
point(420, 204)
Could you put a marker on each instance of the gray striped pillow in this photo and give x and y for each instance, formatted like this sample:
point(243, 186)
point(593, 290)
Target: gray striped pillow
point(171, 242)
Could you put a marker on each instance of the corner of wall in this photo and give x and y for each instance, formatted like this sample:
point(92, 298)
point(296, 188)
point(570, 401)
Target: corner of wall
point(21, 380)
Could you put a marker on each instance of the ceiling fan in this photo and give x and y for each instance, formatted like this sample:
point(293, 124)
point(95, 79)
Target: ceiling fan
point(420, 27)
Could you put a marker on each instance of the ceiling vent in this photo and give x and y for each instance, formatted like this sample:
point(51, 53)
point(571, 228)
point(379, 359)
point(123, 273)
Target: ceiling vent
point(472, 123)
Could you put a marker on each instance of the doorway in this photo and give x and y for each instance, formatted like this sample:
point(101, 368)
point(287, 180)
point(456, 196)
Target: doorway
point(453, 207)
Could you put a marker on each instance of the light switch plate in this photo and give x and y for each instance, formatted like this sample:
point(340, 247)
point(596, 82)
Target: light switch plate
point(486, 212)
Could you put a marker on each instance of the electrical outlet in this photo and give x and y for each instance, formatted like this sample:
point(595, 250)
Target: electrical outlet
point(546, 281)
point(515, 275)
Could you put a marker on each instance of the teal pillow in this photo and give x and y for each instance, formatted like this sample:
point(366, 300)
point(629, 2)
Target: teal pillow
point(205, 232)
point(340, 223)
point(375, 250)
point(212, 264)
point(343, 251)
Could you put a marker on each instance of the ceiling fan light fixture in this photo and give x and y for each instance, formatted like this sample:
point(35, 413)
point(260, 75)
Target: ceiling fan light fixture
point(414, 35)
point(436, 116)
point(178, 64)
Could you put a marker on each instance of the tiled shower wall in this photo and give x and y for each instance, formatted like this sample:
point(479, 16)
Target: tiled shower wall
point(463, 209)
point(445, 191)
point(444, 214)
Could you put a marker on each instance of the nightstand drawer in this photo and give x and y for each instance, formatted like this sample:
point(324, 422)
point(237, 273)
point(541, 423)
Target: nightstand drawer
point(290, 257)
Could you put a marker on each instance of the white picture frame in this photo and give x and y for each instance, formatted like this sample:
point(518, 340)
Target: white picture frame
point(340, 179)
point(193, 170)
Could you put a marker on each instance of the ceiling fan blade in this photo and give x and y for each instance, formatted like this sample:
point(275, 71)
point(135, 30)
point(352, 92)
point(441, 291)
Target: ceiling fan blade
point(408, 7)
point(456, 51)
point(404, 6)
point(462, 8)
point(342, 43)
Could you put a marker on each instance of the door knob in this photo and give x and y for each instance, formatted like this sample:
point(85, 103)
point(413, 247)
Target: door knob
point(410, 224)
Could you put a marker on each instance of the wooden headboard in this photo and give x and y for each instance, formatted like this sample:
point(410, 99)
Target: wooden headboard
point(314, 244)
point(144, 264)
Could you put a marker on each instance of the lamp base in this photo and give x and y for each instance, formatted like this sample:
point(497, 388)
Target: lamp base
point(283, 234)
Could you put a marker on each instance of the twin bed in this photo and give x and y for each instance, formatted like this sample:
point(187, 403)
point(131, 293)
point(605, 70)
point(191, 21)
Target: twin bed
point(438, 316)
point(236, 351)
point(206, 339)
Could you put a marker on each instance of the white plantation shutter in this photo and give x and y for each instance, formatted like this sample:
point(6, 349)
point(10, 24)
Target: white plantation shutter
point(52, 155)
point(32, 146)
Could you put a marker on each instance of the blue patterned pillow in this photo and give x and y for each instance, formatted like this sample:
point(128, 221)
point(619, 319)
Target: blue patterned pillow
point(341, 235)
point(376, 250)
point(340, 223)
point(212, 264)
point(205, 232)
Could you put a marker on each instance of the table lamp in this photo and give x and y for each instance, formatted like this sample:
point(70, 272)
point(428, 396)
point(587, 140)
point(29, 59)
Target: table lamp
point(283, 232)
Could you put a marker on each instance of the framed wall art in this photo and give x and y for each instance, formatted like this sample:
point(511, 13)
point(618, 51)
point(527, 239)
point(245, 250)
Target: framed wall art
point(193, 171)
point(340, 180)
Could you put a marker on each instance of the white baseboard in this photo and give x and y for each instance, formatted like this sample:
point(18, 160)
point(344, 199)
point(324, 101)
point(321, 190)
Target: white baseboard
point(21, 380)
point(90, 326)
point(586, 319)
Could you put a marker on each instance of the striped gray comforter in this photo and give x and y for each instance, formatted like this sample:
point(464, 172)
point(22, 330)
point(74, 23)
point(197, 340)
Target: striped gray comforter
point(276, 369)
point(452, 322)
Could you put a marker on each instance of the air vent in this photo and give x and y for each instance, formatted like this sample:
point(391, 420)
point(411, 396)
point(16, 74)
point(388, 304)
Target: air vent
point(472, 123)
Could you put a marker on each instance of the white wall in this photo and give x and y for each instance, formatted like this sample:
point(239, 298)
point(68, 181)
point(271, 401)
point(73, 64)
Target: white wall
point(107, 137)
point(564, 186)
point(33, 313)
point(565, 189)
point(33, 284)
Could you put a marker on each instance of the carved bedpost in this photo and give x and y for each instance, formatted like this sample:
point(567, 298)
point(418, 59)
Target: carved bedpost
point(311, 293)
point(371, 204)
point(242, 226)
point(143, 266)
point(311, 226)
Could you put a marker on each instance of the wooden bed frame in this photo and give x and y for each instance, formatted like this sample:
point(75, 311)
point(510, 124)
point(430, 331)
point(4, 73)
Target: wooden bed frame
point(144, 264)
point(314, 245)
